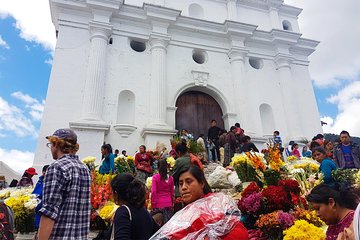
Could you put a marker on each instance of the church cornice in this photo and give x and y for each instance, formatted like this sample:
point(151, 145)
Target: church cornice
point(215, 34)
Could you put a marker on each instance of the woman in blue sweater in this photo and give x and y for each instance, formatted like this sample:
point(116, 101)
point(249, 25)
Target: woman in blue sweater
point(108, 162)
point(326, 164)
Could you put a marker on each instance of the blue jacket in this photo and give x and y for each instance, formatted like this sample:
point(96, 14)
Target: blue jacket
point(108, 164)
point(339, 156)
point(326, 167)
point(38, 190)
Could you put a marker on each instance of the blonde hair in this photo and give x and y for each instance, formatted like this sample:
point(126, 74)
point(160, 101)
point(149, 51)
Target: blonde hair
point(65, 145)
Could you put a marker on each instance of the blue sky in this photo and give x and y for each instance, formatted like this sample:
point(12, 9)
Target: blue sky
point(27, 42)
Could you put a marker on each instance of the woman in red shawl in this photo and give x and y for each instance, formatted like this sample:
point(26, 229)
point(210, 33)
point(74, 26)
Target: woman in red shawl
point(206, 215)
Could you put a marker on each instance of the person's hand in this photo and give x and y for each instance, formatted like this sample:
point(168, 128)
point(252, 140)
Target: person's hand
point(347, 234)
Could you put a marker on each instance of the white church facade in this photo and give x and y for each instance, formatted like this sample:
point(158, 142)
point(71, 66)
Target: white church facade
point(134, 72)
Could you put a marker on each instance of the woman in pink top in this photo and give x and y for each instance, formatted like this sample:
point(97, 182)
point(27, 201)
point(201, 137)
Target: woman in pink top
point(162, 192)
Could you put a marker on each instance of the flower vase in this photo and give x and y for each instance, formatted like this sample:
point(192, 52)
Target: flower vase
point(25, 236)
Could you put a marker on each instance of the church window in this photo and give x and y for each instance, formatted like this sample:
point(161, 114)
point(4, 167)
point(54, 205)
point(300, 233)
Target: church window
point(199, 56)
point(137, 46)
point(196, 11)
point(256, 63)
point(286, 25)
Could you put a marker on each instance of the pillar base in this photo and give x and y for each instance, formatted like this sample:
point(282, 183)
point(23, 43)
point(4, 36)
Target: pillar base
point(153, 136)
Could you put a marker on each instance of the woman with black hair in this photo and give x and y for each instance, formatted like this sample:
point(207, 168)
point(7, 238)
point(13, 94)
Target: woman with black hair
point(206, 215)
point(132, 220)
point(143, 162)
point(162, 192)
point(108, 161)
point(335, 205)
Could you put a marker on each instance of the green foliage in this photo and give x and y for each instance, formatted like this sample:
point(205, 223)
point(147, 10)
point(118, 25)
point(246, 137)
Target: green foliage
point(271, 177)
point(345, 175)
point(24, 222)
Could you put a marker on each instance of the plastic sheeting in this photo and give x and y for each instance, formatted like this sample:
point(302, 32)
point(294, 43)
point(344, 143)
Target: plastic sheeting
point(211, 217)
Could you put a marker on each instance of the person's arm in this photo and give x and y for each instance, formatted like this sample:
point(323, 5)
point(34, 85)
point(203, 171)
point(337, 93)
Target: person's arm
point(154, 195)
point(136, 159)
point(326, 170)
point(52, 200)
point(46, 227)
point(336, 157)
point(122, 224)
point(112, 163)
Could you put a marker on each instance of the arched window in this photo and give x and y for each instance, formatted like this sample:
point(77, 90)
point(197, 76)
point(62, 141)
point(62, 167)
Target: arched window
point(196, 11)
point(126, 108)
point(267, 119)
point(287, 25)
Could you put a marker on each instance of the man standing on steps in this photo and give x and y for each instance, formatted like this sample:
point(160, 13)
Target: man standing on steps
point(347, 153)
point(66, 195)
point(214, 133)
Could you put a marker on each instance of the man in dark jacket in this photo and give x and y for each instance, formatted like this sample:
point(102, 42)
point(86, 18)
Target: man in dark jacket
point(214, 133)
point(347, 153)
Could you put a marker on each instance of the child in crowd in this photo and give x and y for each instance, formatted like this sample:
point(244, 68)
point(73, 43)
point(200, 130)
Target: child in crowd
point(306, 152)
point(326, 164)
point(295, 150)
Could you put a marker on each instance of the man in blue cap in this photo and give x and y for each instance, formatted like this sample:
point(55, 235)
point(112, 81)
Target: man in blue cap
point(66, 195)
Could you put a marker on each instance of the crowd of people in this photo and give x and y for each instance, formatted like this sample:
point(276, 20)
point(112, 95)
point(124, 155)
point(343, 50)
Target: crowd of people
point(64, 187)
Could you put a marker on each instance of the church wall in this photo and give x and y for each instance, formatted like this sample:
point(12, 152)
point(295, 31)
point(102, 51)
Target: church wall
point(309, 114)
point(255, 17)
point(65, 90)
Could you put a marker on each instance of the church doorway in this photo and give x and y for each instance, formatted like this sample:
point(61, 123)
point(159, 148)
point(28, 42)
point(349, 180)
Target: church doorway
point(194, 112)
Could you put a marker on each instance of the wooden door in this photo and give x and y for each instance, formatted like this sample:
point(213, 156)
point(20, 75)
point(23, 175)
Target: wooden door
point(194, 112)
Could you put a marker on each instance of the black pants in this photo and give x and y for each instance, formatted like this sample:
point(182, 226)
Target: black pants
point(215, 150)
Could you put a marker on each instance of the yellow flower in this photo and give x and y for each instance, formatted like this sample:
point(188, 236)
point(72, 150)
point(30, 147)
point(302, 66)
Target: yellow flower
point(302, 230)
point(292, 158)
point(171, 161)
point(89, 160)
point(130, 158)
point(108, 210)
point(148, 183)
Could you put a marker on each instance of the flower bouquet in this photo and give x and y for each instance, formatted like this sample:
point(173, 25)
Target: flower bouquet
point(275, 198)
point(345, 175)
point(248, 166)
point(107, 211)
point(90, 162)
point(273, 224)
point(122, 165)
point(303, 230)
point(23, 204)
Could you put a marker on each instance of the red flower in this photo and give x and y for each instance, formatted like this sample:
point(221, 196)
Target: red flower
point(276, 198)
point(253, 187)
point(290, 185)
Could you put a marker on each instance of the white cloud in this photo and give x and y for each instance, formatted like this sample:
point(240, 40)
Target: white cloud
point(49, 61)
point(27, 48)
point(335, 24)
point(348, 102)
point(12, 119)
point(17, 160)
point(36, 108)
point(3, 43)
point(33, 19)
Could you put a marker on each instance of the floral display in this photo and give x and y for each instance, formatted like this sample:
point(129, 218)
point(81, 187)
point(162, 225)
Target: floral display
point(100, 189)
point(273, 224)
point(148, 183)
point(274, 157)
point(89, 162)
point(345, 175)
point(276, 198)
point(303, 230)
point(122, 165)
point(108, 210)
point(309, 216)
point(171, 162)
point(291, 158)
point(251, 204)
point(23, 204)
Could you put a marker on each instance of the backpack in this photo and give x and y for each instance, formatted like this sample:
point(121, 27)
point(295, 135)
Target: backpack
point(6, 222)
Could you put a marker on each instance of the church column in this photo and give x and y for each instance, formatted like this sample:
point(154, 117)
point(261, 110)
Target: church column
point(274, 18)
point(158, 81)
point(243, 99)
point(288, 99)
point(95, 76)
point(231, 10)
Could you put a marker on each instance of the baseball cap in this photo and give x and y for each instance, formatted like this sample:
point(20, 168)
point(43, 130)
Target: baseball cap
point(65, 134)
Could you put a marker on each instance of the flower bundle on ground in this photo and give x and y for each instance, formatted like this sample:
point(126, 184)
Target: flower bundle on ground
point(273, 224)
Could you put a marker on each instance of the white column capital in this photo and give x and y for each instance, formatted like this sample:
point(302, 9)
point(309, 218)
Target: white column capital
point(237, 54)
point(100, 30)
point(283, 62)
point(156, 42)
